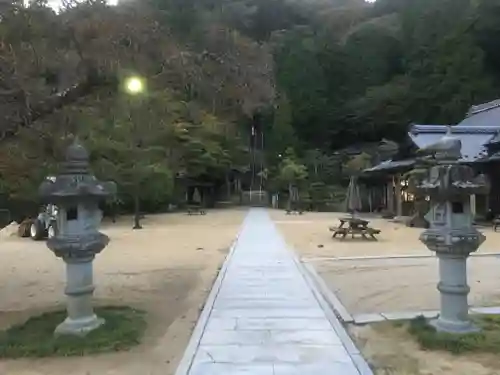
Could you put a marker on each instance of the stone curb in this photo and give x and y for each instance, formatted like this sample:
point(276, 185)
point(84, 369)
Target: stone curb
point(328, 295)
point(381, 257)
point(356, 356)
point(360, 319)
point(187, 359)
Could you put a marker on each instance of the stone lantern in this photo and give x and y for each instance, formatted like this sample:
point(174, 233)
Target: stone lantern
point(77, 193)
point(451, 234)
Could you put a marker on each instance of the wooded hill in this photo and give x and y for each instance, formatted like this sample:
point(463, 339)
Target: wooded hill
point(321, 75)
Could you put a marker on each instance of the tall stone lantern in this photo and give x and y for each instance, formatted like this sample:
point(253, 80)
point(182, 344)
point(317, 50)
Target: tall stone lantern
point(451, 235)
point(77, 193)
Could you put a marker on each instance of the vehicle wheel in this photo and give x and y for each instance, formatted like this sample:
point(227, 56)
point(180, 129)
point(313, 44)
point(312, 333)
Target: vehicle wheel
point(51, 231)
point(36, 230)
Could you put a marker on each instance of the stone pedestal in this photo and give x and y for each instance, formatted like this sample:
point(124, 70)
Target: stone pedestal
point(79, 290)
point(453, 288)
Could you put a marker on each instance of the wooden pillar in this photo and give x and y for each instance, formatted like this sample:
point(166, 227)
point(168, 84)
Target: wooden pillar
point(390, 196)
point(397, 193)
point(370, 199)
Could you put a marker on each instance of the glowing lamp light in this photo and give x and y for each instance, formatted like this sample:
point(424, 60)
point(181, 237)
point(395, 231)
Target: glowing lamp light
point(134, 85)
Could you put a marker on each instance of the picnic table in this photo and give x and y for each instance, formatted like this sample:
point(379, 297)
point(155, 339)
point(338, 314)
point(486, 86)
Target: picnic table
point(294, 208)
point(354, 227)
point(195, 210)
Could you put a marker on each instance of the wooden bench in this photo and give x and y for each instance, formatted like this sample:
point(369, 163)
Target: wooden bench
point(296, 212)
point(196, 210)
point(343, 232)
point(372, 232)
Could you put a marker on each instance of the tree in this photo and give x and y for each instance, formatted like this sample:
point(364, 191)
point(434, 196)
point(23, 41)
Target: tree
point(130, 155)
point(281, 134)
point(291, 171)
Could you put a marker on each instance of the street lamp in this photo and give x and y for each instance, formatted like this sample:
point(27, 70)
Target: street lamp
point(134, 86)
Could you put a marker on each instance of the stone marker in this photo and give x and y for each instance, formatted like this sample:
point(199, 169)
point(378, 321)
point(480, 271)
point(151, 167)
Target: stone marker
point(77, 193)
point(451, 235)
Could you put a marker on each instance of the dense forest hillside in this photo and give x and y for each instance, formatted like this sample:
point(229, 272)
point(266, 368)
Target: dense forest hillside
point(320, 75)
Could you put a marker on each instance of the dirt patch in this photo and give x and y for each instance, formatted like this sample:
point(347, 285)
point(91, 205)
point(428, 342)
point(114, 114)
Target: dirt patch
point(166, 269)
point(310, 237)
point(9, 230)
point(392, 351)
point(385, 285)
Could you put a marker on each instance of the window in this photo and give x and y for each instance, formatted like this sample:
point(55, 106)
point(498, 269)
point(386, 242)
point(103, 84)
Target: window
point(72, 213)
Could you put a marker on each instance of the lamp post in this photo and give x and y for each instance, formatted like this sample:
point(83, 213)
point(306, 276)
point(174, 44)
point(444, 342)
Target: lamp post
point(134, 86)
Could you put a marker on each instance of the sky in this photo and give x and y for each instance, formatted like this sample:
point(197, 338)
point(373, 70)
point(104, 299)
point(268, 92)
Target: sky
point(56, 3)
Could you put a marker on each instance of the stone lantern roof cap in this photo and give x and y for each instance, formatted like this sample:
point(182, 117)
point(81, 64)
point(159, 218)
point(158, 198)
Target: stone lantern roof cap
point(75, 180)
point(449, 147)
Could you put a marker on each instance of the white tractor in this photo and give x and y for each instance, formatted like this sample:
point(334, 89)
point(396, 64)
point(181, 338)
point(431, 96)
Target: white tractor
point(45, 225)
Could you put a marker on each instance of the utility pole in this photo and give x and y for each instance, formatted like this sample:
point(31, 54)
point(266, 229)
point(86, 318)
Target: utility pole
point(261, 160)
point(252, 148)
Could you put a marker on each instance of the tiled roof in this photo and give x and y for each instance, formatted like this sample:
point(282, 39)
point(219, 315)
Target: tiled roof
point(456, 129)
point(487, 114)
point(473, 138)
point(390, 165)
point(483, 107)
point(480, 127)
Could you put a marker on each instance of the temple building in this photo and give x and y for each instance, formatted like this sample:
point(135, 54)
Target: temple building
point(479, 133)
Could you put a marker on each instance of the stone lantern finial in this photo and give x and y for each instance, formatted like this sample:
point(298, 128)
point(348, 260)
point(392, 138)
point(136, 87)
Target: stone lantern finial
point(77, 159)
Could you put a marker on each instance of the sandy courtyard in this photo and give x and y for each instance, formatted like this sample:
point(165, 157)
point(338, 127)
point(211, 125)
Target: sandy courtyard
point(166, 269)
point(386, 285)
point(310, 237)
point(383, 285)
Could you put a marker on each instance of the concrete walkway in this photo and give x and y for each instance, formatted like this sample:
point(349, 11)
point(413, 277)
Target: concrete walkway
point(264, 318)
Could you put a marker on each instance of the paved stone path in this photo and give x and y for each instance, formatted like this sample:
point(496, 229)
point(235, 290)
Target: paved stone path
point(265, 318)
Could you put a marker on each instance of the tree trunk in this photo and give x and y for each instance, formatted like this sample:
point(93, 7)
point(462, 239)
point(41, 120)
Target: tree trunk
point(228, 186)
point(137, 214)
point(114, 209)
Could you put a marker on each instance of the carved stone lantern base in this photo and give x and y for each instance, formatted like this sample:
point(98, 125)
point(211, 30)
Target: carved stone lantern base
point(453, 289)
point(443, 325)
point(78, 327)
point(79, 290)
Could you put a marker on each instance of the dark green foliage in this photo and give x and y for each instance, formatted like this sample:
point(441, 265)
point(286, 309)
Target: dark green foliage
point(486, 30)
point(399, 61)
point(486, 341)
point(345, 72)
point(35, 338)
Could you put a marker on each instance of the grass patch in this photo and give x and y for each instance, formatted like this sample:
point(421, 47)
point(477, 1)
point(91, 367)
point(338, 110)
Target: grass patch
point(486, 341)
point(123, 329)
